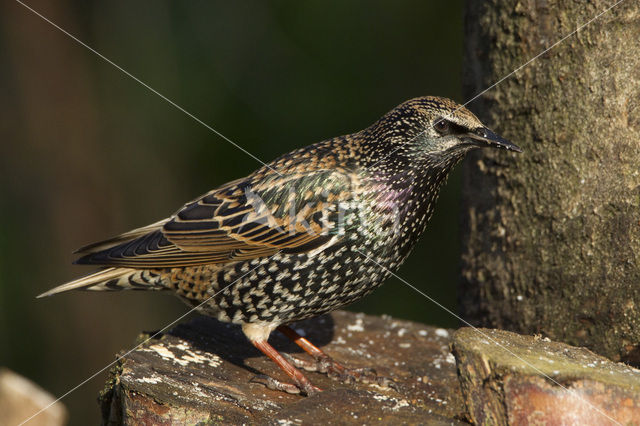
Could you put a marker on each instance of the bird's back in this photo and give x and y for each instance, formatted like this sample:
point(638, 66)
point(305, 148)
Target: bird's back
point(313, 230)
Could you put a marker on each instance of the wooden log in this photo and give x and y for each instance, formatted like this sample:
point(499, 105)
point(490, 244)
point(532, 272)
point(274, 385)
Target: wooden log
point(512, 379)
point(201, 371)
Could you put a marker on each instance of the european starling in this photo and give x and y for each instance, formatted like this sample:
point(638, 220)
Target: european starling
point(293, 239)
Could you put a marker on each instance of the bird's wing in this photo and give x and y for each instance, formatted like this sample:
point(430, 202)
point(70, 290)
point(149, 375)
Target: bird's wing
point(292, 214)
point(136, 233)
point(122, 238)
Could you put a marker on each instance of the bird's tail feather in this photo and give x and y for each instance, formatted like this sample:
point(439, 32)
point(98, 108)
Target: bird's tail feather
point(111, 279)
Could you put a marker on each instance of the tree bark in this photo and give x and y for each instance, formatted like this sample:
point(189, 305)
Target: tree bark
point(551, 237)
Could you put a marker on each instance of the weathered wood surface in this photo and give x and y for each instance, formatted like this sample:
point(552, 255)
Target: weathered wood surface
point(508, 378)
point(201, 371)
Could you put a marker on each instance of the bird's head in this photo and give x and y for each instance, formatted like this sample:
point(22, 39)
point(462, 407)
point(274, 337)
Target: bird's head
point(448, 126)
point(432, 130)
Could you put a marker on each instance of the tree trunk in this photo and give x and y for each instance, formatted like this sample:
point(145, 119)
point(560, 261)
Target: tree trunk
point(551, 237)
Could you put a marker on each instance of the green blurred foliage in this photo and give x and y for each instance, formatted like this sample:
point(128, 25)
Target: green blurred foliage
point(87, 152)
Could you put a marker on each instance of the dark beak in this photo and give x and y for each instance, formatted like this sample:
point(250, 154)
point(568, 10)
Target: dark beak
point(484, 137)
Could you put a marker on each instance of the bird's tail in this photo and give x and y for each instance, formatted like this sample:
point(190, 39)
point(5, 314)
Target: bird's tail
point(112, 279)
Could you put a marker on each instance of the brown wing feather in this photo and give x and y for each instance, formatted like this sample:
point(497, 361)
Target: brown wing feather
point(229, 224)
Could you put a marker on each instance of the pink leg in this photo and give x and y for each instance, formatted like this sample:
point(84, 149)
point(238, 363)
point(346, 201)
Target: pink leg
point(301, 383)
point(325, 364)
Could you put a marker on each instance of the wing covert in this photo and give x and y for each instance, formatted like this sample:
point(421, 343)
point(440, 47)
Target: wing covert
point(237, 222)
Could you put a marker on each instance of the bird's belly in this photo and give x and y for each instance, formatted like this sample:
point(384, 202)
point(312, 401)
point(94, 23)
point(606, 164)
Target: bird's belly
point(287, 288)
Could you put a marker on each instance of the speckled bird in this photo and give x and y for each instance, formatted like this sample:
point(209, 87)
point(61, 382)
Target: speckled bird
point(314, 230)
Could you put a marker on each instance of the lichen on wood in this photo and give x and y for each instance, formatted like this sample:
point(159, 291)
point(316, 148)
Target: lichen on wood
point(201, 371)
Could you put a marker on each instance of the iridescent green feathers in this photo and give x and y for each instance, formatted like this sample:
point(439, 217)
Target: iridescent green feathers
point(293, 212)
point(358, 186)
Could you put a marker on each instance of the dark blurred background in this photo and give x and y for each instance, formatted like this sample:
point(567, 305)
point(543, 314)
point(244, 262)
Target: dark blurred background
point(87, 153)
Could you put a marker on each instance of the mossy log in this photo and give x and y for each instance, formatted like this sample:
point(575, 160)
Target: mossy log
point(510, 379)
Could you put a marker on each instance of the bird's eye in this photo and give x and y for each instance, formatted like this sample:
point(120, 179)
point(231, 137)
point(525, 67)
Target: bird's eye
point(442, 126)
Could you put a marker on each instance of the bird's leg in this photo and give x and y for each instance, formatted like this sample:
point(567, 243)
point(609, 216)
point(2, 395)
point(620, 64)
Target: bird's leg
point(325, 364)
point(301, 383)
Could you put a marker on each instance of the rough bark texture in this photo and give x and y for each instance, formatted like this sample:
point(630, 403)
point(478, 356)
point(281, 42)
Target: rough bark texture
point(521, 380)
point(551, 237)
point(201, 371)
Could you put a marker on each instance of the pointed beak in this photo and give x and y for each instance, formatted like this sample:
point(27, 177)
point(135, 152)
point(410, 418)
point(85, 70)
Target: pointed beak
point(484, 137)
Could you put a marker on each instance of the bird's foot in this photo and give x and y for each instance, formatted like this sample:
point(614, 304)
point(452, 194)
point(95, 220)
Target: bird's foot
point(333, 369)
point(300, 383)
point(302, 388)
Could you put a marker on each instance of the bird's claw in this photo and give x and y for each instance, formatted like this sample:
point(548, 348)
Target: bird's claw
point(336, 371)
point(303, 364)
point(277, 385)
